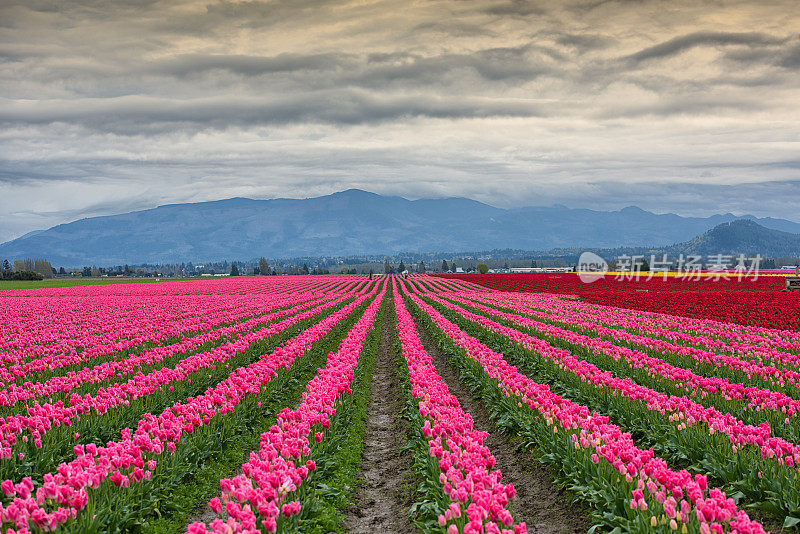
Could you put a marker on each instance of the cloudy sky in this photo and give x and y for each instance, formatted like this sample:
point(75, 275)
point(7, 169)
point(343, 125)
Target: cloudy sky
point(110, 106)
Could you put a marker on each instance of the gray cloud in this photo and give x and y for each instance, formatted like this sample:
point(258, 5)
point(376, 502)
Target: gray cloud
point(692, 40)
point(113, 105)
point(250, 65)
point(135, 114)
point(514, 8)
point(585, 41)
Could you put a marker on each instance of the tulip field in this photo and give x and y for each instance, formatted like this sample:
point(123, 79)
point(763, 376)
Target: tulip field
point(396, 404)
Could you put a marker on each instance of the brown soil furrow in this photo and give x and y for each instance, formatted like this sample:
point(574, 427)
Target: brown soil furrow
point(545, 507)
point(380, 504)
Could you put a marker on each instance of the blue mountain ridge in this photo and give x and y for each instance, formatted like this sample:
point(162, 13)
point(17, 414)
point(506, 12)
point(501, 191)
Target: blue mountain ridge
point(350, 222)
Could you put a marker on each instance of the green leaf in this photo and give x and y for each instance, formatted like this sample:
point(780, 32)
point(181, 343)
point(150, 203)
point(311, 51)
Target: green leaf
point(790, 521)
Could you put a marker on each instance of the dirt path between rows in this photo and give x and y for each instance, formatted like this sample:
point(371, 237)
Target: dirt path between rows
point(545, 507)
point(380, 505)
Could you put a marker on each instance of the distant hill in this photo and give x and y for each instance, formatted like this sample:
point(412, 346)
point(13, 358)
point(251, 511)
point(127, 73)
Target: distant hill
point(741, 237)
point(351, 222)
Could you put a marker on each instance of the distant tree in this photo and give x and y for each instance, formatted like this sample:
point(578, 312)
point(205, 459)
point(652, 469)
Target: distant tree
point(263, 266)
point(87, 272)
point(386, 267)
point(453, 267)
point(19, 265)
point(20, 275)
point(401, 267)
point(234, 270)
point(421, 268)
point(43, 267)
point(256, 271)
point(304, 270)
point(95, 271)
point(483, 268)
point(62, 271)
point(445, 267)
point(127, 270)
point(533, 264)
point(6, 265)
point(505, 266)
point(645, 266)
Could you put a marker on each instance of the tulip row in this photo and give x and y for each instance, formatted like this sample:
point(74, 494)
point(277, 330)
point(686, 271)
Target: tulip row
point(729, 337)
point(703, 362)
point(752, 337)
point(31, 321)
point(769, 309)
point(57, 446)
point(147, 360)
point(51, 425)
point(105, 469)
point(473, 498)
point(88, 342)
point(728, 332)
point(749, 343)
point(750, 302)
point(274, 474)
point(329, 493)
point(755, 349)
point(751, 403)
point(761, 466)
point(89, 331)
point(631, 488)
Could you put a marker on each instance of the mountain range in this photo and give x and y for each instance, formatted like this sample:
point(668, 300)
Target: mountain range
point(740, 237)
point(355, 222)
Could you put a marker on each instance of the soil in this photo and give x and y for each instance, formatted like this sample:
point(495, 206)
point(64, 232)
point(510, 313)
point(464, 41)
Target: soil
point(544, 506)
point(381, 504)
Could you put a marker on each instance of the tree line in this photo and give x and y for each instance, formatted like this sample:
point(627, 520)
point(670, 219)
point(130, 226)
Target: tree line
point(27, 269)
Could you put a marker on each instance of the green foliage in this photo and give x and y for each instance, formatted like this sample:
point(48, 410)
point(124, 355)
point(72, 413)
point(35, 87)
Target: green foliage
point(482, 268)
point(20, 275)
point(101, 428)
point(169, 494)
point(337, 479)
point(285, 390)
point(766, 485)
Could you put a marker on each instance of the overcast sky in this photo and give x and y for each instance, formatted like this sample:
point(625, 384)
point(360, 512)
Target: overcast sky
point(689, 107)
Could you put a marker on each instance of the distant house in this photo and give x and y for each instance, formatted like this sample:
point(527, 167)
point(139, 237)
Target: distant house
point(459, 270)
